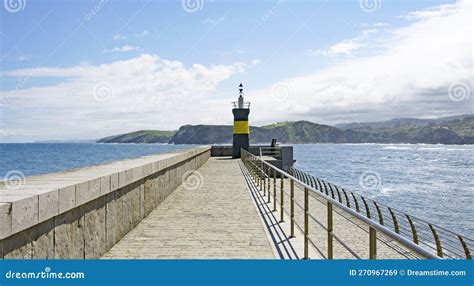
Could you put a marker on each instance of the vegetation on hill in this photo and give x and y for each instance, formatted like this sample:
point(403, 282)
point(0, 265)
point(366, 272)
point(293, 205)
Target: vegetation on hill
point(142, 136)
point(452, 130)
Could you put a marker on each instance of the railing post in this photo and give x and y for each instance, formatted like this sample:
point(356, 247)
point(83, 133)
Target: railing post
point(348, 203)
point(306, 223)
point(255, 171)
point(264, 180)
point(259, 178)
point(466, 249)
point(372, 243)
point(439, 248)
point(379, 213)
point(274, 190)
point(395, 221)
point(413, 229)
point(281, 198)
point(251, 171)
point(292, 207)
point(268, 183)
point(269, 179)
point(330, 231)
point(355, 202)
point(367, 210)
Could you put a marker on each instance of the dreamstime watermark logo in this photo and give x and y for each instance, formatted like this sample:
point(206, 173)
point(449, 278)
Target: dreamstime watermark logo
point(96, 186)
point(370, 180)
point(21, 84)
point(46, 273)
point(14, 180)
point(459, 91)
point(103, 91)
point(95, 10)
point(192, 180)
point(14, 6)
point(369, 6)
point(192, 6)
point(281, 91)
point(273, 10)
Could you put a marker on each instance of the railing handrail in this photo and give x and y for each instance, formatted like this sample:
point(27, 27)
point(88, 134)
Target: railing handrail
point(367, 220)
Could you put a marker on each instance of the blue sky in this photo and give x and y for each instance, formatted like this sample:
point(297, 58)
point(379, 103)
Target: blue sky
point(86, 69)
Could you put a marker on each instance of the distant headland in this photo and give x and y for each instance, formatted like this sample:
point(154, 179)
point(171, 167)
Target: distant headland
point(445, 130)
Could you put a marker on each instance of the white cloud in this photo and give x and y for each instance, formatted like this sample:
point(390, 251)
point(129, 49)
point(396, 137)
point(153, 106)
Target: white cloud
point(142, 34)
point(347, 47)
point(255, 62)
point(380, 24)
point(122, 49)
point(410, 76)
point(367, 32)
point(213, 22)
point(119, 37)
point(145, 92)
point(441, 10)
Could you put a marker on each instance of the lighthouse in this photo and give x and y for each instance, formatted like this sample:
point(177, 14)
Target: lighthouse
point(241, 130)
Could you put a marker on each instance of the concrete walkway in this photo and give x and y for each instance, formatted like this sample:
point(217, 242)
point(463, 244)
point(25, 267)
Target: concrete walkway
point(211, 216)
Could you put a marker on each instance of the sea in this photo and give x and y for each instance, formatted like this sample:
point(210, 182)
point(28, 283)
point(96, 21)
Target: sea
point(432, 182)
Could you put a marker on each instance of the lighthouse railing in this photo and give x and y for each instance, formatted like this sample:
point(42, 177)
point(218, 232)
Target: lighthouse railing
point(235, 105)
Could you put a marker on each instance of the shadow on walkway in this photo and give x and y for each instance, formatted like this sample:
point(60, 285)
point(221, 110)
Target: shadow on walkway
point(280, 240)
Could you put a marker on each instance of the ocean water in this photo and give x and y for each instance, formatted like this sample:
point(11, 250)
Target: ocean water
point(432, 182)
point(42, 158)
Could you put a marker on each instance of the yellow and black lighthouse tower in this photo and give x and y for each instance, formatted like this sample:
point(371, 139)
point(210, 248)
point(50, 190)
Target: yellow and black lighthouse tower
point(241, 130)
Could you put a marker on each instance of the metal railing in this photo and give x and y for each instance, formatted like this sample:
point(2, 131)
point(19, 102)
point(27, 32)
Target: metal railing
point(235, 104)
point(402, 234)
point(270, 151)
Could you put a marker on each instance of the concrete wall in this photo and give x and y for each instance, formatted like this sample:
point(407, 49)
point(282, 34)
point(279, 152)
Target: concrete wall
point(284, 162)
point(226, 150)
point(81, 214)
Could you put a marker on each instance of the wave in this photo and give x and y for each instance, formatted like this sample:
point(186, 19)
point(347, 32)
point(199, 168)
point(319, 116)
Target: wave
point(441, 148)
point(396, 148)
point(388, 190)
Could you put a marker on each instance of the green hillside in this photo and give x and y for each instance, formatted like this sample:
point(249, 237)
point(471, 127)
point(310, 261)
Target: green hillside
point(142, 136)
point(455, 131)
